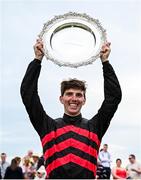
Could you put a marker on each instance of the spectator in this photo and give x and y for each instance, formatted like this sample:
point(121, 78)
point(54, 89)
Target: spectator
point(3, 164)
point(14, 171)
point(41, 173)
point(27, 168)
point(105, 160)
point(29, 155)
point(101, 172)
point(41, 162)
point(34, 164)
point(133, 168)
point(18, 159)
point(35, 161)
point(119, 172)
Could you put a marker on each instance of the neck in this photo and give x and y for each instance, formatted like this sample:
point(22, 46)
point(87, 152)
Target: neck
point(72, 115)
point(72, 119)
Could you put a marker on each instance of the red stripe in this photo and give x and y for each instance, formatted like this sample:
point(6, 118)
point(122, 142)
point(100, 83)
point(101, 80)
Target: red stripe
point(71, 158)
point(70, 143)
point(55, 134)
point(58, 162)
point(84, 163)
point(92, 136)
point(83, 132)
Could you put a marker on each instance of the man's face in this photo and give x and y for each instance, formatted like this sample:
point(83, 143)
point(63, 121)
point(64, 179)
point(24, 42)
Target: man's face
point(105, 148)
point(73, 100)
point(3, 157)
point(30, 153)
point(131, 159)
point(118, 163)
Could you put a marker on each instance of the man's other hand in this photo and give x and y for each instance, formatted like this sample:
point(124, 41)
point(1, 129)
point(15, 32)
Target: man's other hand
point(39, 50)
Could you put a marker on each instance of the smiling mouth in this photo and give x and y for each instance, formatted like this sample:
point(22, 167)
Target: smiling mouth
point(73, 105)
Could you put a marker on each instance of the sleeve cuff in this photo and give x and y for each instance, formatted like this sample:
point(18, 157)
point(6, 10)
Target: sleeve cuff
point(106, 62)
point(37, 60)
point(107, 67)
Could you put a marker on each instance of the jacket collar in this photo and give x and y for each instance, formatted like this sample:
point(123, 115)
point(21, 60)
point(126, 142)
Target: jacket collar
point(72, 119)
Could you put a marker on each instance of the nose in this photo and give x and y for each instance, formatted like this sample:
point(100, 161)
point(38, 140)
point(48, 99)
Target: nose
point(74, 97)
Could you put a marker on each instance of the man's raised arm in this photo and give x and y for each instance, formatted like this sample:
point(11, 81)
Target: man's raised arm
point(112, 94)
point(29, 90)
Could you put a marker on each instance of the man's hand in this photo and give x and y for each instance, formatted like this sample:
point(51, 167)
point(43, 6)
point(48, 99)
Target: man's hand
point(39, 50)
point(105, 51)
point(134, 170)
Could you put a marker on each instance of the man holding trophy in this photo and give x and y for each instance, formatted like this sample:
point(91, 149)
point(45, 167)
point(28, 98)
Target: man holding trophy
point(70, 143)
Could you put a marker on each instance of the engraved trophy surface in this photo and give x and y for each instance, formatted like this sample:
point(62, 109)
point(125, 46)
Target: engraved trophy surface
point(73, 39)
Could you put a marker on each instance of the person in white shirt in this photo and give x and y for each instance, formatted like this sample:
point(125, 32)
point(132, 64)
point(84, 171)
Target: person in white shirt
point(3, 164)
point(105, 160)
point(133, 168)
point(41, 173)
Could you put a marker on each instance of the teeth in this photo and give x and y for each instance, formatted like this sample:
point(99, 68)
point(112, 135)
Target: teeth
point(73, 105)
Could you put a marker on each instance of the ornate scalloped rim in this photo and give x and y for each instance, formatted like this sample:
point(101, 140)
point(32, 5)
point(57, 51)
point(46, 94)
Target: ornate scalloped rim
point(96, 22)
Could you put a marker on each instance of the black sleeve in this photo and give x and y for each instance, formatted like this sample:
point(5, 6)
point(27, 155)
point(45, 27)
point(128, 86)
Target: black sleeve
point(112, 97)
point(21, 174)
point(29, 93)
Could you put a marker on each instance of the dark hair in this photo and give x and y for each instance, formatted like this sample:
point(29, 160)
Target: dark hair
point(17, 158)
point(13, 164)
point(3, 154)
point(106, 145)
point(74, 84)
point(133, 156)
point(118, 160)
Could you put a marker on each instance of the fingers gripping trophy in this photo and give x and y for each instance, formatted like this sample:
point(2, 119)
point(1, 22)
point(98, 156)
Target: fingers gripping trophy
point(71, 142)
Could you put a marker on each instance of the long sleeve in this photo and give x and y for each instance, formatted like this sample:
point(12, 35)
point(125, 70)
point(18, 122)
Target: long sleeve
point(31, 100)
point(112, 97)
point(105, 158)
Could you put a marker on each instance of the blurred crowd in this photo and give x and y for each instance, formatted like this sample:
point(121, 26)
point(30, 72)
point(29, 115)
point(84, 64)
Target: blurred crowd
point(105, 171)
point(31, 166)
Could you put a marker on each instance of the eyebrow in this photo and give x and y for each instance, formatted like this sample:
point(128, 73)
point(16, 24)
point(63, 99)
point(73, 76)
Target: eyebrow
point(77, 94)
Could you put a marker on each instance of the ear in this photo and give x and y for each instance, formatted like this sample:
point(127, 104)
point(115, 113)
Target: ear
point(84, 101)
point(61, 99)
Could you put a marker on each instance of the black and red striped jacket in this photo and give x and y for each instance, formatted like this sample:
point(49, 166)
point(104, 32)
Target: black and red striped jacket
point(70, 144)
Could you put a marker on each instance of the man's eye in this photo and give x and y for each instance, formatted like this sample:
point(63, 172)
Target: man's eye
point(68, 94)
point(79, 95)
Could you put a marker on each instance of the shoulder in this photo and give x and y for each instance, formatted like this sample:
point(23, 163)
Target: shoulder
point(138, 164)
point(8, 168)
point(128, 166)
point(114, 168)
point(19, 168)
point(58, 122)
point(101, 153)
point(7, 163)
point(108, 153)
point(85, 121)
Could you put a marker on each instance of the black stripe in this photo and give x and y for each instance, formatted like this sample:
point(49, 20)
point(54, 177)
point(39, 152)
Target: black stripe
point(68, 135)
point(71, 171)
point(85, 140)
point(84, 124)
point(73, 150)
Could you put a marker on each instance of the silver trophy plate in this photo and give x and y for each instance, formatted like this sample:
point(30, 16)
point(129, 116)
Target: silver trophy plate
point(73, 39)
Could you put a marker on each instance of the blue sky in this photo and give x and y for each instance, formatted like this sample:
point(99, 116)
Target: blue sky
point(21, 22)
